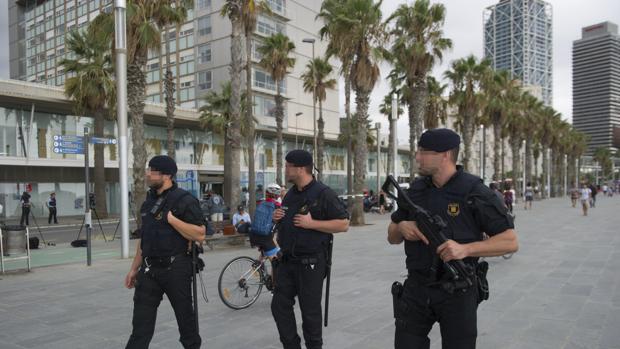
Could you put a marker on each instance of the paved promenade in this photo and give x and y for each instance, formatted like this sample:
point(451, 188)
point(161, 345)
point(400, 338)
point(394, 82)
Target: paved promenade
point(561, 290)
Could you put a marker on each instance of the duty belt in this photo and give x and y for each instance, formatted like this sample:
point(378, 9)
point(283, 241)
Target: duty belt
point(161, 262)
point(310, 259)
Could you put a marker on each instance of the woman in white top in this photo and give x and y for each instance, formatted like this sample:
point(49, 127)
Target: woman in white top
point(586, 193)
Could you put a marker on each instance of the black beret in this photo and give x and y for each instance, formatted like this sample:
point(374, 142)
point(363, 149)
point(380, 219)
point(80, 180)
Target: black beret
point(439, 140)
point(163, 164)
point(299, 158)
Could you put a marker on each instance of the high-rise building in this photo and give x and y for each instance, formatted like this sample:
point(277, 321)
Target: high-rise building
point(518, 38)
point(199, 54)
point(596, 85)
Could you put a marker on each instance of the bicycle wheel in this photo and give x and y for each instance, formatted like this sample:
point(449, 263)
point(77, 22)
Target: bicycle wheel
point(240, 282)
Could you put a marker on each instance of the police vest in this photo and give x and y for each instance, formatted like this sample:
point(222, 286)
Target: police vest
point(297, 241)
point(158, 237)
point(451, 202)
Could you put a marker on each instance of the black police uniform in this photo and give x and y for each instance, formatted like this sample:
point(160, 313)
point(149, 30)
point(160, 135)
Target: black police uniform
point(301, 269)
point(470, 209)
point(166, 267)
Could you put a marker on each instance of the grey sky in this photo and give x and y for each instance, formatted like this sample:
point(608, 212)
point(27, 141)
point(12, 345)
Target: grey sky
point(464, 27)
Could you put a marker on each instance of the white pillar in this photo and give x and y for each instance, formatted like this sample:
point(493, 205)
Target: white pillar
point(121, 114)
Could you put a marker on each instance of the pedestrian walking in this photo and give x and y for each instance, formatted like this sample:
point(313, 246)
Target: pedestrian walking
point(586, 197)
point(529, 196)
point(51, 206)
point(311, 212)
point(171, 222)
point(429, 294)
point(508, 197)
point(25, 203)
point(574, 196)
point(593, 192)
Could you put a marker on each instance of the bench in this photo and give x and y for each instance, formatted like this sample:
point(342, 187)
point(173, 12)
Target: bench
point(233, 239)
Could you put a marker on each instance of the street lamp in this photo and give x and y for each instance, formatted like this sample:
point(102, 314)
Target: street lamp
point(311, 41)
point(296, 115)
point(120, 20)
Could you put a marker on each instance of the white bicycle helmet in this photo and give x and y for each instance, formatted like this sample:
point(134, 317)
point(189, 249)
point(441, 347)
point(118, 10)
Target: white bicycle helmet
point(274, 189)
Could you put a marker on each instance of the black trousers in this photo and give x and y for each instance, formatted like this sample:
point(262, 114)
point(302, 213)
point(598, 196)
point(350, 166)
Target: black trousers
point(52, 214)
point(306, 282)
point(420, 307)
point(25, 216)
point(175, 281)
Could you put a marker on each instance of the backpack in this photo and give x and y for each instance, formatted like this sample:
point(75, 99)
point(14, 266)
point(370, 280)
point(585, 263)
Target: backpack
point(262, 222)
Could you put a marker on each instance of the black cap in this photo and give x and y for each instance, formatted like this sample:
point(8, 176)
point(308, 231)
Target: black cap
point(240, 208)
point(439, 140)
point(163, 164)
point(299, 158)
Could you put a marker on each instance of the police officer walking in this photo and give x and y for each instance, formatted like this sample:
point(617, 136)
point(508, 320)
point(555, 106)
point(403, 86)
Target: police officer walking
point(171, 222)
point(311, 212)
point(469, 209)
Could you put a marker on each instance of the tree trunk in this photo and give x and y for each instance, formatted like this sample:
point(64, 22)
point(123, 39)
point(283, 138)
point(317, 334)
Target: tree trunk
point(279, 119)
point(515, 146)
point(320, 143)
point(361, 155)
point(136, 91)
point(503, 164)
point(228, 165)
point(528, 161)
point(249, 119)
point(468, 135)
point(412, 140)
point(101, 206)
point(419, 97)
point(497, 140)
point(234, 130)
point(545, 162)
point(347, 110)
point(390, 156)
point(169, 88)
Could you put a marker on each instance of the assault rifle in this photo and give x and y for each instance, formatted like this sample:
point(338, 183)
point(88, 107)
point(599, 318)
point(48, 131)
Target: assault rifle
point(433, 227)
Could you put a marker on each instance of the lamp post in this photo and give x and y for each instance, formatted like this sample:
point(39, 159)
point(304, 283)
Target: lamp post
point(394, 117)
point(311, 41)
point(296, 115)
point(378, 127)
point(121, 114)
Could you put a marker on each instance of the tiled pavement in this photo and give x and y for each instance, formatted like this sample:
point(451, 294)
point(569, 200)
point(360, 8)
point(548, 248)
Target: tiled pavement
point(561, 290)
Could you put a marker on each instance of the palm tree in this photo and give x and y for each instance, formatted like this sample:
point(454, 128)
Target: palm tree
point(603, 157)
point(93, 92)
point(233, 9)
point(216, 116)
point(316, 79)
point(276, 59)
point(577, 147)
point(363, 18)
point(385, 108)
point(171, 13)
point(418, 43)
point(249, 14)
point(500, 90)
point(532, 111)
point(467, 76)
point(549, 117)
point(142, 35)
point(341, 46)
point(436, 110)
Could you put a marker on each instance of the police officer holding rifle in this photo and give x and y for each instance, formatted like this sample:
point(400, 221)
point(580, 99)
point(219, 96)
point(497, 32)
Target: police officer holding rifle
point(442, 225)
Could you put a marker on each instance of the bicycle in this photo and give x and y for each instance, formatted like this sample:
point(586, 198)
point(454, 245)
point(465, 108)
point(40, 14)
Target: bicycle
point(242, 280)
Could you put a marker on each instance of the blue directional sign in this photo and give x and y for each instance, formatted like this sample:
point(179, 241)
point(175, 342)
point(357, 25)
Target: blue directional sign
point(100, 140)
point(68, 144)
point(189, 174)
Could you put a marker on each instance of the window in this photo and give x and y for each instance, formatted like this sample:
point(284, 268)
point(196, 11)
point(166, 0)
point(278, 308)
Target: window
point(205, 80)
point(204, 25)
point(202, 4)
point(186, 68)
point(264, 80)
point(204, 53)
point(264, 106)
point(187, 94)
point(255, 54)
point(267, 26)
point(276, 6)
